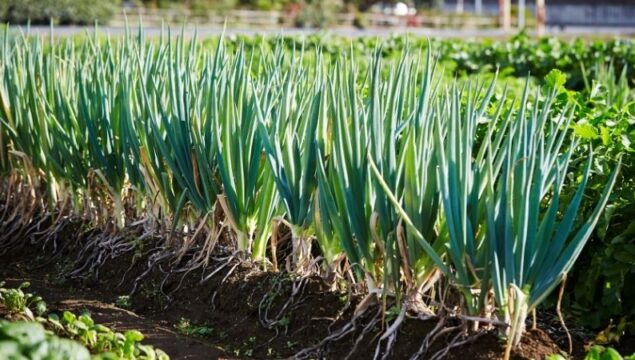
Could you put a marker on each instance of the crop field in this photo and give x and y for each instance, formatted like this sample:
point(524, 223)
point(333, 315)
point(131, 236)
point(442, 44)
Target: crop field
point(316, 198)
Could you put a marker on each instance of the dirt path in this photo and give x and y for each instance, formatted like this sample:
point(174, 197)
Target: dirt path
point(156, 333)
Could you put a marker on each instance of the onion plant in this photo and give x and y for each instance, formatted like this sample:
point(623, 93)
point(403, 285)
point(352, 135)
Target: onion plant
point(343, 182)
point(393, 125)
point(289, 136)
point(249, 196)
point(460, 184)
point(419, 194)
point(183, 145)
point(507, 230)
point(533, 239)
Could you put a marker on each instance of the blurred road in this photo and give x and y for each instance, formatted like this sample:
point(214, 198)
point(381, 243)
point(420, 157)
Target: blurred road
point(346, 32)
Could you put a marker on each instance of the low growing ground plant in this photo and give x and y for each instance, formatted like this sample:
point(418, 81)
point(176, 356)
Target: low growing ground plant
point(30, 339)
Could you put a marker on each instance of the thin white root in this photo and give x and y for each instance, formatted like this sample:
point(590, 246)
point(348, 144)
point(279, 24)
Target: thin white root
point(559, 312)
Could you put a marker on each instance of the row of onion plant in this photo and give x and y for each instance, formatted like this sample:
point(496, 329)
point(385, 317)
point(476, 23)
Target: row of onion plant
point(391, 169)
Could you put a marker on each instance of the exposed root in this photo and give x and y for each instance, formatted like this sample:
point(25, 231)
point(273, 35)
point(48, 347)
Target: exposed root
point(390, 335)
point(342, 311)
point(194, 255)
point(101, 248)
point(201, 254)
point(153, 260)
point(459, 340)
point(346, 329)
point(224, 262)
point(294, 299)
point(429, 339)
point(25, 219)
point(365, 330)
point(143, 255)
point(231, 271)
point(559, 312)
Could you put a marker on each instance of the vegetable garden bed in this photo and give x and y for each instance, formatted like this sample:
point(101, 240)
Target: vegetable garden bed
point(281, 199)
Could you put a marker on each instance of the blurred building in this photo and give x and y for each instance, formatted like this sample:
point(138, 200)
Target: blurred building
point(562, 12)
point(590, 12)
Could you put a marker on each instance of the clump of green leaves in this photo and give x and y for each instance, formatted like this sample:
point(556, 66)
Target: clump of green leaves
point(186, 327)
point(99, 339)
point(123, 301)
point(29, 340)
point(103, 340)
point(20, 303)
point(598, 352)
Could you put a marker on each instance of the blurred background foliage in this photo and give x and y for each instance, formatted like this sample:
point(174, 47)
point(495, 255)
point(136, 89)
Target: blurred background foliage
point(80, 12)
point(62, 12)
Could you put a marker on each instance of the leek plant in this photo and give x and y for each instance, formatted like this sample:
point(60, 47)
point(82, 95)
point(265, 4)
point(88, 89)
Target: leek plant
point(249, 197)
point(460, 184)
point(4, 108)
point(431, 243)
point(289, 134)
point(533, 239)
point(23, 109)
point(387, 108)
point(68, 160)
point(343, 182)
point(166, 194)
point(39, 118)
point(349, 200)
point(180, 130)
point(104, 109)
point(392, 123)
point(500, 195)
point(419, 194)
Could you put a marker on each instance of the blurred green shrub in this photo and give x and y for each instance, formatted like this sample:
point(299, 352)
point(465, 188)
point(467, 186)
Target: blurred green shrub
point(64, 12)
point(360, 21)
point(318, 13)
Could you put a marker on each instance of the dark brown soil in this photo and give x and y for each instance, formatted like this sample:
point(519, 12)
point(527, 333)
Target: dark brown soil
point(232, 321)
point(229, 309)
point(535, 345)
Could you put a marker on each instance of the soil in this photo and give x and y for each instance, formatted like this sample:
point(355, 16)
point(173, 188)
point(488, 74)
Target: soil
point(239, 313)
